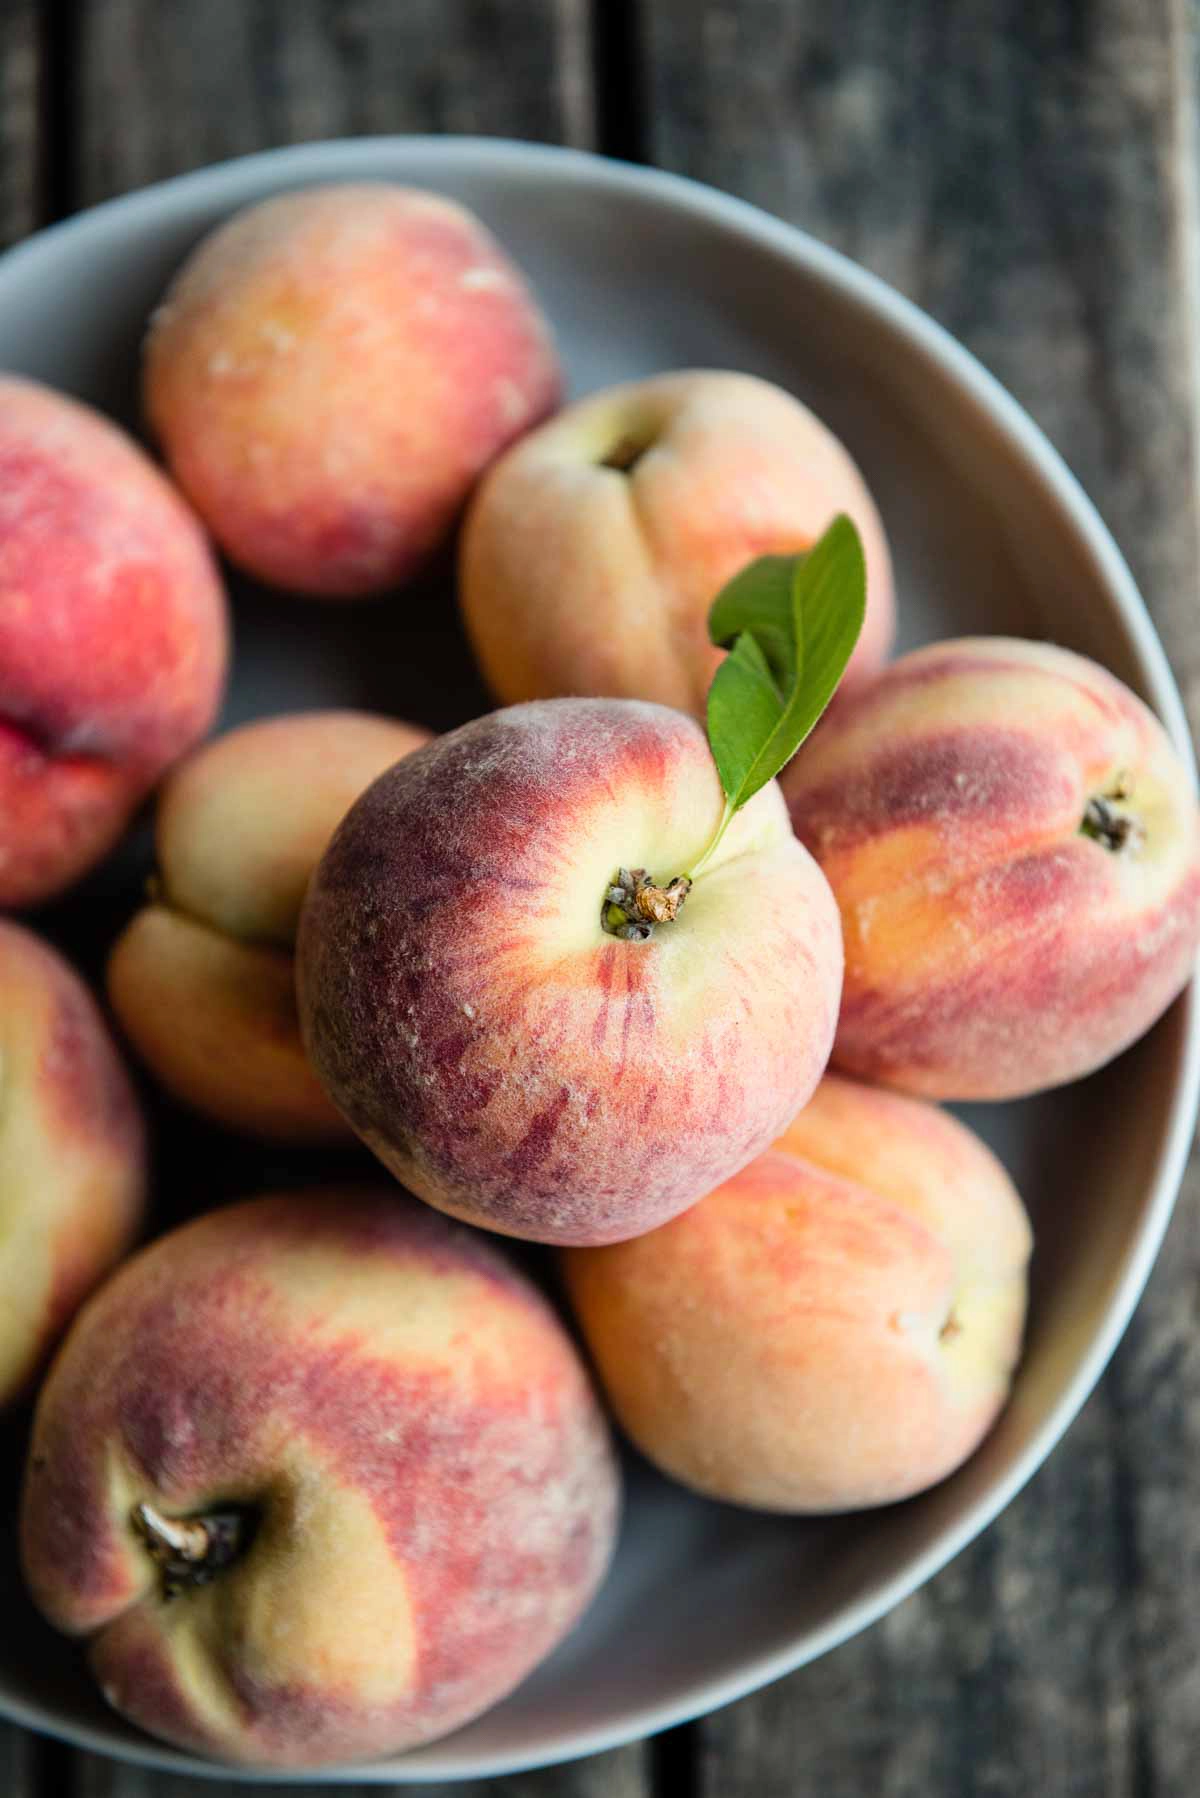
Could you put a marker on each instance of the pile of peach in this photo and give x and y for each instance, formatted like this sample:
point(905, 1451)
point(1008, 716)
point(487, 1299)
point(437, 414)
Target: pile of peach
point(323, 1474)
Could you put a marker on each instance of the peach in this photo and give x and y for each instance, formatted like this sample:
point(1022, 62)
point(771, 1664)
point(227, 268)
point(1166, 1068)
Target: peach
point(331, 370)
point(508, 1059)
point(320, 1477)
point(113, 636)
point(834, 1327)
point(72, 1160)
point(1015, 850)
point(201, 979)
point(593, 550)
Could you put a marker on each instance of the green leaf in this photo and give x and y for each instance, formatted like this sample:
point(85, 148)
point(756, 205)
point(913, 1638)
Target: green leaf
point(759, 600)
point(790, 624)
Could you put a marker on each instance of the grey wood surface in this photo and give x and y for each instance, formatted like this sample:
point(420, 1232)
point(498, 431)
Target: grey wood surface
point(21, 210)
point(18, 1752)
point(20, 66)
point(1027, 172)
point(168, 85)
point(618, 1775)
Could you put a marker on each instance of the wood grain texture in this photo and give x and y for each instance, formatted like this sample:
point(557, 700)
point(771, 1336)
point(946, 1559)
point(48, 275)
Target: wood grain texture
point(618, 1775)
point(20, 147)
point(20, 212)
point(18, 1754)
point(225, 77)
point(1027, 175)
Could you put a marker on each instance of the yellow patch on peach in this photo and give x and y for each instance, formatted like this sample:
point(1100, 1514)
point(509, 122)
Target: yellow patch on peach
point(216, 1020)
point(242, 823)
point(202, 979)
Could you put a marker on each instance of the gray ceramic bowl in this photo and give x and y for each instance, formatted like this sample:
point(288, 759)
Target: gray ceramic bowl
point(642, 272)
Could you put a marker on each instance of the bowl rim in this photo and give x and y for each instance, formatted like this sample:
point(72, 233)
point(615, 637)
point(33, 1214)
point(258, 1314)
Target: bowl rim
point(351, 158)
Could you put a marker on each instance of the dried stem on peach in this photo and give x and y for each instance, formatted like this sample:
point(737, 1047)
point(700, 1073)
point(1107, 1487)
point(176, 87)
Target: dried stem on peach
point(634, 904)
point(190, 1551)
point(1105, 824)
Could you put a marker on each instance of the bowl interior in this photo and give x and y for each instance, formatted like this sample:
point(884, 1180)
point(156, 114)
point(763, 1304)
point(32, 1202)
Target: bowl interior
point(641, 273)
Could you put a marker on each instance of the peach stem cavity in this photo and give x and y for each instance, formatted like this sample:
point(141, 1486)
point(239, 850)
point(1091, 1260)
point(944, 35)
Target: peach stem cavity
point(625, 454)
point(1112, 829)
point(190, 1551)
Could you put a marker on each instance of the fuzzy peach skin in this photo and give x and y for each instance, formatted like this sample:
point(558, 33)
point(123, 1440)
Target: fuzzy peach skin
point(332, 369)
point(992, 948)
point(202, 978)
point(504, 1056)
point(834, 1327)
point(72, 1156)
point(427, 1482)
point(594, 549)
point(113, 636)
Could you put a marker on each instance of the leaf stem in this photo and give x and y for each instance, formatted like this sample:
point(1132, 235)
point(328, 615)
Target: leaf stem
point(722, 827)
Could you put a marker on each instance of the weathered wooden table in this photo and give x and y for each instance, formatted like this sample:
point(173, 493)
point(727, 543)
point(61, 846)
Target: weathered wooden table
point(1028, 173)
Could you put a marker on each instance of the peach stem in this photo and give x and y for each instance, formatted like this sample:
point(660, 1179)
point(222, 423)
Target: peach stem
point(1107, 826)
point(190, 1550)
point(726, 818)
point(634, 903)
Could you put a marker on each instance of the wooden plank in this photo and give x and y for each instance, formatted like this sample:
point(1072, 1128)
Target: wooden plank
point(625, 1773)
point(22, 167)
point(20, 148)
point(224, 78)
point(17, 1757)
point(1026, 174)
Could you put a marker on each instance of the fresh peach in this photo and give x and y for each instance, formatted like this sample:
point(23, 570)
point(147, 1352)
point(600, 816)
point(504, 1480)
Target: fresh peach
point(1015, 849)
point(332, 369)
point(202, 978)
point(593, 549)
point(113, 636)
point(834, 1327)
point(320, 1477)
point(72, 1162)
point(508, 1059)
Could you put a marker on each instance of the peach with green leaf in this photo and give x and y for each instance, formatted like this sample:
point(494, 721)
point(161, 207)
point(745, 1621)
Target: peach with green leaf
point(1015, 849)
point(568, 968)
